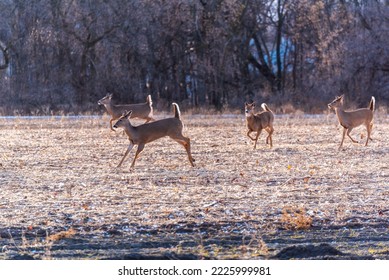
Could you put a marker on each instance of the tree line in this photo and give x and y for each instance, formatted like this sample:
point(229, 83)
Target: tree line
point(64, 55)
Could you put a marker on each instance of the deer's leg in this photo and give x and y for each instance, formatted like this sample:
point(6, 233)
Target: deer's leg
point(344, 134)
point(141, 146)
point(348, 134)
point(110, 124)
point(268, 131)
point(126, 153)
point(248, 134)
point(185, 141)
point(256, 138)
point(269, 138)
point(369, 133)
point(149, 119)
point(368, 128)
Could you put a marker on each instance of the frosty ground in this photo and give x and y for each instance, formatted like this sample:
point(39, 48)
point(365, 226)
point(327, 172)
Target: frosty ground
point(62, 197)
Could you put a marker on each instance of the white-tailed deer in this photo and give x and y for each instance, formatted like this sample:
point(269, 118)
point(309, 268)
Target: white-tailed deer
point(259, 121)
point(140, 111)
point(146, 133)
point(352, 119)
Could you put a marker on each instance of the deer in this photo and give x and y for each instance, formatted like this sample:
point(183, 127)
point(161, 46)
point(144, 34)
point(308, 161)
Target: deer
point(140, 111)
point(259, 121)
point(354, 118)
point(149, 132)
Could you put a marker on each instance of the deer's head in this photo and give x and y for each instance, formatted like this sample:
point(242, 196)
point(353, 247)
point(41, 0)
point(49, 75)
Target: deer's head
point(249, 108)
point(106, 99)
point(123, 120)
point(336, 103)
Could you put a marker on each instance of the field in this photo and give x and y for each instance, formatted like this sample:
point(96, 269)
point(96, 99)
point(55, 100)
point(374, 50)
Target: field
point(62, 197)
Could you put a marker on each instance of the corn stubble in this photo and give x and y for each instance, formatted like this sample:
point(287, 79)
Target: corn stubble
point(59, 177)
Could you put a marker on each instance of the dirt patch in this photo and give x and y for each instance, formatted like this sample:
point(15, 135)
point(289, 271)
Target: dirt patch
point(62, 197)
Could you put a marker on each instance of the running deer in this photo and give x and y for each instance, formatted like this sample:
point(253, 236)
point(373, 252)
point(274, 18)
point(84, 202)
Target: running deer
point(353, 119)
point(140, 111)
point(146, 133)
point(259, 121)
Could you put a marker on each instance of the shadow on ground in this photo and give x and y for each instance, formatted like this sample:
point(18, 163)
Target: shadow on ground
point(195, 241)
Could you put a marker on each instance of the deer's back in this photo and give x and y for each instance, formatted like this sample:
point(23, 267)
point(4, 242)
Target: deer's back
point(138, 110)
point(355, 118)
point(166, 127)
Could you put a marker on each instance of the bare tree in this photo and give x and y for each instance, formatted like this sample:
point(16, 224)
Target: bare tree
point(4, 57)
point(66, 54)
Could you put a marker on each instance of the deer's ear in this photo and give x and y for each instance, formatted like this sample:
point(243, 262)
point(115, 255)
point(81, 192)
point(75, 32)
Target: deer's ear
point(127, 114)
point(109, 95)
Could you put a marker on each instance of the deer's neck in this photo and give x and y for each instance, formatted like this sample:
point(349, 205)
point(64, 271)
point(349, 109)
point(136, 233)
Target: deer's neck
point(339, 111)
point(109, 108)
point(129, 130)
point(249, 116)
point(342, 115)
point(250, 119)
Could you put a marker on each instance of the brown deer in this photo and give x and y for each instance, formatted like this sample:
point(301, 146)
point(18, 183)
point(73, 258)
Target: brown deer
point(259, 121)
point(140, 111)
point(146, 133)
point(355, 118)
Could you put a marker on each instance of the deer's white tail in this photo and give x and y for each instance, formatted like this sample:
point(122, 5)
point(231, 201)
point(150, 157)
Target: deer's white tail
point(149, 101)
point(372, 104)
point(265, 107)
point(177, 113)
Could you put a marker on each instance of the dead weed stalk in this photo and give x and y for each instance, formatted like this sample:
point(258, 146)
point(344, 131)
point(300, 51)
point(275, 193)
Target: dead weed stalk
point(295, 218)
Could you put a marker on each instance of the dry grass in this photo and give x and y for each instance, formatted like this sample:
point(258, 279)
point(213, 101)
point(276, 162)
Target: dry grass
point(61, 235)
point(60, 174)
